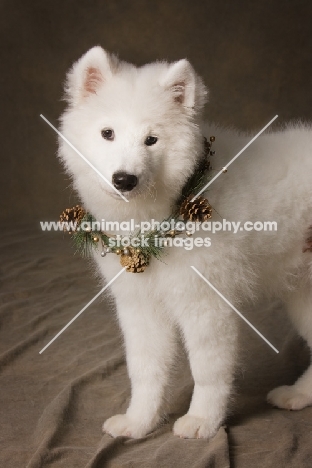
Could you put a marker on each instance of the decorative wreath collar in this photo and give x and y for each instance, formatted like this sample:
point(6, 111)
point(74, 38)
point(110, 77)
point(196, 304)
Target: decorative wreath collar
point(136, 259)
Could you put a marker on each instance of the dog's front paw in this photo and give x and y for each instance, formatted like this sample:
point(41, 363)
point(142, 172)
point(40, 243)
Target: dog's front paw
point(122, 425)
point(192, 427)
point(289, 397)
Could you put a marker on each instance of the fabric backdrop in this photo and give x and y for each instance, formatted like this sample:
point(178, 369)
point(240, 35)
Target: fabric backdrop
point(255, 56)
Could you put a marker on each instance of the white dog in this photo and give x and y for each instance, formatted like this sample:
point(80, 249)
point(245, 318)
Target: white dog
point(141, 128)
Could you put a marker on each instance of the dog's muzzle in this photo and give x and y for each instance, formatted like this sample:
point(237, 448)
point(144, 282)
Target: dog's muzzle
point(124, 182)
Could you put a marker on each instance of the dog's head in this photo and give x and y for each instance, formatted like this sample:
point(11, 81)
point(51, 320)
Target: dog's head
point(137, 126)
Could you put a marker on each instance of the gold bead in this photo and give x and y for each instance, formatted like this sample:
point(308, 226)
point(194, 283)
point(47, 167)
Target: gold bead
point(96, 239)
point(118, 251)
point(212, 139)
point(188, 233)
point(138, 250)
point(172, 233)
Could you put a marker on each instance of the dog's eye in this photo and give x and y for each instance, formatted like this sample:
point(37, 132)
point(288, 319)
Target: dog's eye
point(150, 140)
point(108, 134)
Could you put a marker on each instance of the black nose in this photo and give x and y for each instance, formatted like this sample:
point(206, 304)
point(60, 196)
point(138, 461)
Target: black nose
point(124, 182)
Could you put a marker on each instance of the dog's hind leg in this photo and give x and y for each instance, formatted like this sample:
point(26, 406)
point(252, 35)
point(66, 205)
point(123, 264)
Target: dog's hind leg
point(299, 395)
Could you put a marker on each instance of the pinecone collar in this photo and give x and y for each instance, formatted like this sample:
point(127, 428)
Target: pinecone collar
point(135, 259)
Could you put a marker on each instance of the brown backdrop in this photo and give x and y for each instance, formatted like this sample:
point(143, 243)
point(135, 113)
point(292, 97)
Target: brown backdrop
point(255, 57)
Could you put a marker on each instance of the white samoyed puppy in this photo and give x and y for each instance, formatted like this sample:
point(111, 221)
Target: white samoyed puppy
point(141, 128)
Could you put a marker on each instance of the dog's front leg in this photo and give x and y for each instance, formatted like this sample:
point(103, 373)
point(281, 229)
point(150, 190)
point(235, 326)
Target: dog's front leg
point(210, 337)
point(150, 348)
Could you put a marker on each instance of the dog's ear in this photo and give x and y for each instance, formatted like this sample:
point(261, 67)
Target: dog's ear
point(185, 86)
point(88, 74)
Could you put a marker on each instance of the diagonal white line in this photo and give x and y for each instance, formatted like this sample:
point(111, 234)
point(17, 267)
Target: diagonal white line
point(235, 310)
point(82, 310)
point(83, 157)
point(233, 159)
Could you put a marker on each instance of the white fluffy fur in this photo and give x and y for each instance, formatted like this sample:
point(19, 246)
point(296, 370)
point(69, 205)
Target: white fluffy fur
point(270, 181)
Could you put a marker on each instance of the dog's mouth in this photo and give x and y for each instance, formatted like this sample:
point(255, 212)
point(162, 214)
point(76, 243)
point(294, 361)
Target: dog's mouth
point(129, 189)
point(121, 194)
point(141, 189)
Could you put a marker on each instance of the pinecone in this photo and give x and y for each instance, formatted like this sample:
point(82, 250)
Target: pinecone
point(72, 215)
point(135, 261)
point(198, 210)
